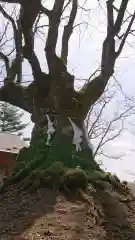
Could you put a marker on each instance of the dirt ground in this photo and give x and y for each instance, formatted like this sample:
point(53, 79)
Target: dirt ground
point(48, 215)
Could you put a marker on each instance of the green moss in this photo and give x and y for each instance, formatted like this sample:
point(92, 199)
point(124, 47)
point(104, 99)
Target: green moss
point(55, 166)
point(22, 154)
point(74, 179)
point(61, 150)
point(96, 175)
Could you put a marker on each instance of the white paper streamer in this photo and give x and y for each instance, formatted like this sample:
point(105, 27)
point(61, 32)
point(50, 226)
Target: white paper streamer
point(87, 138)
point(77, 138)
point(50, 130)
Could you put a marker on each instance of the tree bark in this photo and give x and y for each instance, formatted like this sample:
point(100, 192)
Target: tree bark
point(62, 146)
point(52, 96)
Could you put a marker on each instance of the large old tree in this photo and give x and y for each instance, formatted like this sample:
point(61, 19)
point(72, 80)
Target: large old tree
point(51, 97)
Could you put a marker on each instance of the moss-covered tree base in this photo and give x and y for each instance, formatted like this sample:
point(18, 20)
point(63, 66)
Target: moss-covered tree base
point(58, 166)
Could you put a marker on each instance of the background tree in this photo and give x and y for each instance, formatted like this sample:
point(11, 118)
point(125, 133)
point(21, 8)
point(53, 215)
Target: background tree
point(10, 119)
point(104, 128)
point(56, 107)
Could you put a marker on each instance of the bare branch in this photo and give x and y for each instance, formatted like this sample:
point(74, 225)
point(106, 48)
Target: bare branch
point(19, 48)
point(102, 142)
point(51, 42)
point(108, 52)
point(120, 16)
point(36, 25)
point(4, 31)
point(102, 133)
point(6, 60)
point(66, 5)
point(84, 9)
point(68, 31)
point(106, 101)
point(94, 89)
point(90, 133)
point(125, 35)
point(24, 24)
point(35, 65)
point(12, 71)
point(116, 157)
point(8, 17)
point(45, 11)
point(110, 17)
point(17, 39)
point(90, 93)
point(15, 95)
point(91, 76)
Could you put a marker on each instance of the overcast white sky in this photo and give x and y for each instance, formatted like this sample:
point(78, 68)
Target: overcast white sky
point(84, 58)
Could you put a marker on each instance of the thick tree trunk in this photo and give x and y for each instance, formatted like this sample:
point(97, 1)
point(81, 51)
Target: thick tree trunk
point(59, 135)
point(67, 144)
point(57, 110)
